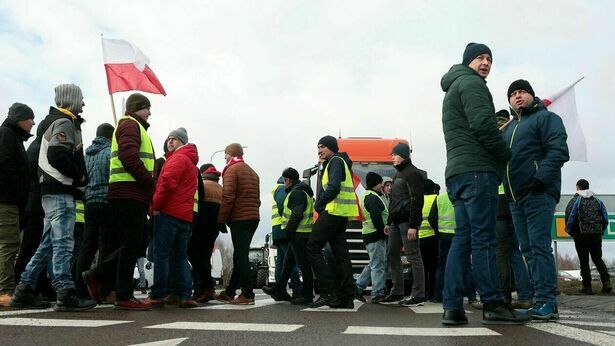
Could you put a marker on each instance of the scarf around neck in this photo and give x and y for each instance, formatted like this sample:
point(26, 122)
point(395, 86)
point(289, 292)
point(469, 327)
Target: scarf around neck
point(234, 160)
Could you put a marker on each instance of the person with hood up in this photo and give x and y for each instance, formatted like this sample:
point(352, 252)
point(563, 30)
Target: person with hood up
point(336, 203)
point(173, 206)
point(14, 184)
point(296, 224)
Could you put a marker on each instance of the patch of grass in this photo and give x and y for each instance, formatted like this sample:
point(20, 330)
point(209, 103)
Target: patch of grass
point(573, 288)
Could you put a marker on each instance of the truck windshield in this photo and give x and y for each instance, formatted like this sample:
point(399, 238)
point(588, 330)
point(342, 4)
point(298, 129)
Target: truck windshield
point(362, 168)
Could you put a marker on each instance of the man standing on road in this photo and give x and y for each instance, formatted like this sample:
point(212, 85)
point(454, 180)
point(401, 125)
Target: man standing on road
point(131, 187)
point(476, 155)
point(14, 184)
point(537, 139)
point(405, 217)
point(586, 221)
point(240, 211)
point(61, 168)
point(337, 202)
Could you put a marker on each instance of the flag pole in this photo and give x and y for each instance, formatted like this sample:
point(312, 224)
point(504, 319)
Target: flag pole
point(110, 94)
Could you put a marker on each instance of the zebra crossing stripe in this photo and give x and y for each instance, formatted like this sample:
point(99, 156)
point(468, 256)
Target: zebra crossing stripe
point(230, 327)
point(24, 312)
point(215, 305)
point(589, 324)
point(430, 308)
point(49, 322)
point(400, 331)
point(582, 335)
point(357, 305)
point(169, 342)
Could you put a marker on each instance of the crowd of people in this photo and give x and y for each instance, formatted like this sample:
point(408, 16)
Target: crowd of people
point(74, 222)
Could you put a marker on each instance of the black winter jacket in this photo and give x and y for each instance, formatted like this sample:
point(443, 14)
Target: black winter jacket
point(14, 170)
point(407, 195)
point(337, 175)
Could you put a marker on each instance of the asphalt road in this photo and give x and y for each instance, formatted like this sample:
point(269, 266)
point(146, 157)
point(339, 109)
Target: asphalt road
point(282, 323)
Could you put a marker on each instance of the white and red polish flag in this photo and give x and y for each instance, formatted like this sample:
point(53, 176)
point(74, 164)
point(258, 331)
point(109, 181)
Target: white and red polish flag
point(564, 104)
point(127, 68)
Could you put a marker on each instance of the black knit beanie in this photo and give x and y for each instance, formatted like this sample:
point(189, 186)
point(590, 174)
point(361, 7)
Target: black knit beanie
point(372, 179)
point(19, 111)
point(473, 50)
point(401, 149)
point(136, 102)
point(329, 142)
point(520, 84)
point(105, 130)
point(291, 174)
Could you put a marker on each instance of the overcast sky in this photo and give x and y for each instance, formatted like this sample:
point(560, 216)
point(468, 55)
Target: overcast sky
point(278, 75)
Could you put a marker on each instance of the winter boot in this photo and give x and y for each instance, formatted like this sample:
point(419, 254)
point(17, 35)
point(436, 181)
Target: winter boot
point(69, 301)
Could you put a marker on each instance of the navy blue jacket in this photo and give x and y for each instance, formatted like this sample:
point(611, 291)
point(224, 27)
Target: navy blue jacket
point(537, 140)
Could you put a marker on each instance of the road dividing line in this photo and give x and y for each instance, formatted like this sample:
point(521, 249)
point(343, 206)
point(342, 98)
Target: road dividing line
point(577, 334)
point(400, 331)
point(24, 312)
point(230, 327)
point(223, 306)
point(357, 305)
point(169, 342)
point(44, 322)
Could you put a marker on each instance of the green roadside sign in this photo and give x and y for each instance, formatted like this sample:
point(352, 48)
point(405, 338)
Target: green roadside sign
point(558, 228)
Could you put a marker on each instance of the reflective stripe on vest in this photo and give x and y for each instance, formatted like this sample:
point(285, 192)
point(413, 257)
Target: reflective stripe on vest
point(501, 189)
point(276, 218)
point(146, 153)
point(446, 214)
point(426, 230)
point(305, 225)
point(345, 203)
point(195, 206)
point(368, 225)
point(79, 211)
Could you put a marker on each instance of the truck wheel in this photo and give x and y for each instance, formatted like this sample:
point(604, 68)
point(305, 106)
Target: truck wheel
point(261, 277)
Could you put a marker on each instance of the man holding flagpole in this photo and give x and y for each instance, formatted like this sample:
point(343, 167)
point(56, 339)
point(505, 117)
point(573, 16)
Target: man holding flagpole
point(131, 187)
point(537, 140)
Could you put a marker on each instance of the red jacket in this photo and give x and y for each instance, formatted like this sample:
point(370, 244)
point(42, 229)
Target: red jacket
point(177, 183)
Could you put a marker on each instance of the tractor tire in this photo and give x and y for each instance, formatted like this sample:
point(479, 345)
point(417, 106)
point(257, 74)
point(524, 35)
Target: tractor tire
point(261, 277)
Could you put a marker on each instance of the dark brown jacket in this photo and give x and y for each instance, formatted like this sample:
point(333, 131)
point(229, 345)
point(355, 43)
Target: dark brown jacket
point(240, 194)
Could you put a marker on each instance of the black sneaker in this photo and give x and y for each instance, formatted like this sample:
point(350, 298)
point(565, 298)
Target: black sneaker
point(391, 299)
point(24, 297)
point(412, 301)
point(301, 301)
point(454, 317)
point(69, 301)
point(277, 296)
point(377, 300)
point(499, 312)
point(342, 303)
point(321, 301)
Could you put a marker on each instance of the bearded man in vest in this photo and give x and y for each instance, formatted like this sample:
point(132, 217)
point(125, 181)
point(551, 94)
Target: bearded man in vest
point(131, 187)
point(336, 203)
point(296, 225)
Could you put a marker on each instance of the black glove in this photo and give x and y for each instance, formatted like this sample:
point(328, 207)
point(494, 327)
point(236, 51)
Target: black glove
point(222, 228)
point(319, 207)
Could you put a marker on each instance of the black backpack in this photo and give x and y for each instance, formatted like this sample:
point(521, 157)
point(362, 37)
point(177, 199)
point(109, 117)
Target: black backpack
point(591, 220)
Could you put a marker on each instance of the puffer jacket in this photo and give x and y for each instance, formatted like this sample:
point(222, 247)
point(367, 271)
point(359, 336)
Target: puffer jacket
point(177, 184)
point(473, 141)
point(14, 168)
point(97, 158)
point(240, 194)
point(537, 140)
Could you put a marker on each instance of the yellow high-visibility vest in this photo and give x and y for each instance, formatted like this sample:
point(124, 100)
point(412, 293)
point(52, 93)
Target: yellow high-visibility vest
point(446, 214)
point(117, 172)
point(368, 225)
point(345, 203)
point(426, 230)
point(79, 211)
point(305, 225)
point(276, 218)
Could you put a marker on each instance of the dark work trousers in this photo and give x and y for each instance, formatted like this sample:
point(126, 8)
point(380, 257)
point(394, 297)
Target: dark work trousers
point(200, 250)
point(297, 256)
point(586, 246)
point(331, 229)
point(101, 234)
point(429, 254)
point(78, 238)
point(31, 234)
point(131, 217)
point(241, 234)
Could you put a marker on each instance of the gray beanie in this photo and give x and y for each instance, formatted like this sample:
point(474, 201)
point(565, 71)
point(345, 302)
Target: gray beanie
point(19, 111)
point(180, 134)
point(69, 96)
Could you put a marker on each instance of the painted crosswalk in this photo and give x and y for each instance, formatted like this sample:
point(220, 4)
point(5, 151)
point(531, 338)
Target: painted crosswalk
point(51, 322)
point(232, 327)
point(216, 305)
point(357, 306)
point(440, 331)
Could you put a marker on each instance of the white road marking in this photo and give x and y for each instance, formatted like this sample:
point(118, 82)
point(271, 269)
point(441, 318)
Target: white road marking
point(577, 334)
point(24, 312)
point(232, 327)
point(589, 324)
point(610, 332)
point(223, 306)
point(43, 322)
point(357, 305)
point(169, 342)
point(430, 308)
point(398, 331)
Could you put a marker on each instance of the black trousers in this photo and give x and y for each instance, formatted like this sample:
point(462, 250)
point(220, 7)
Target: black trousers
point(429, 255)
point(200, 249)
point(331, 229)
point(31, 234)
point(241, 234)
point(297, 255)
point(131, 217)
point(587, 246)
point(100, 235)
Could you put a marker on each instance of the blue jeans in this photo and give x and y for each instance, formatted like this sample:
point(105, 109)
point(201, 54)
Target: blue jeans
point(56, 244)
point(376, 269)
point(475, 198)
point(171, 250)
point(533, 218)
point(295, 282)
point(444, 246)
point(141, 269)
